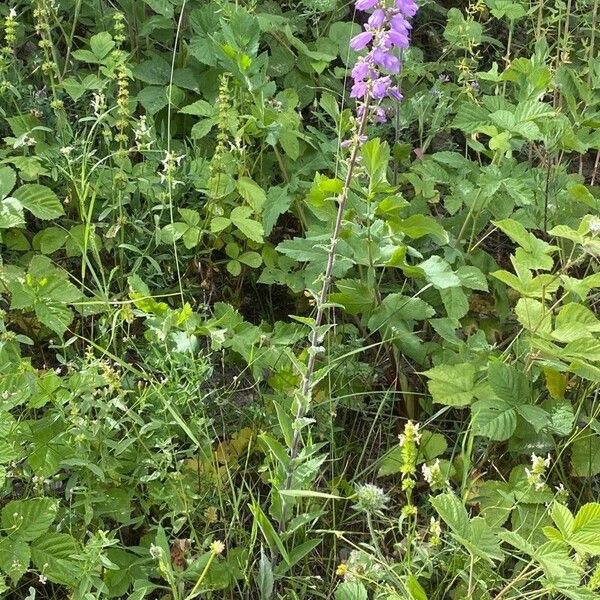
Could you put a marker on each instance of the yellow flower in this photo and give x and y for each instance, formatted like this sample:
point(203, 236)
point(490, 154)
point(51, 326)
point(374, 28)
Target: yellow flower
point(342, 569)
point(217, 547)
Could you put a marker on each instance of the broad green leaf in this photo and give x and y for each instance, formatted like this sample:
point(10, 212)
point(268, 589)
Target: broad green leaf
point(508, 383)
point(439, 273)
point(455, 302)
point(453, 513)
point(252, 193)
point(249, 227)
point(534, 316)
point(351, 590)
point(28, 519)
point(15, 557)
point(562, 518)
point(53, 554)
point(585, 455)
point(101, 44)
point(452, 385)
point(11, 213)
point(8, 178)
point(494, 419)
point(40, 200)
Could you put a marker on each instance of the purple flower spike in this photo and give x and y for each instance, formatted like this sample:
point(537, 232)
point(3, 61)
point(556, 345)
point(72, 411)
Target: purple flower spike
point(358, 42)
point(387, 29)
point(365, 4)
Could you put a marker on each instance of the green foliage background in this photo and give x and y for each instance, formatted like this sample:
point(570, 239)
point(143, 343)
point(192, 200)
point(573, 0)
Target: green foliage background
point(168, 179)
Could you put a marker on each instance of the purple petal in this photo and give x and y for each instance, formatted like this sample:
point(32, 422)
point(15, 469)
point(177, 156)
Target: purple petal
point(365, 4)
point(358, 90)
point(400, 24)
point(386, 60)
point(395, 38)
point(408, 7)
point(380, 88)
point(379, 114)
point(358, 42)
point(377, 19)
point(395, 94)
point(360, 70)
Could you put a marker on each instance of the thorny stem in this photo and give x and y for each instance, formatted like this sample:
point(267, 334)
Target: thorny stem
point(307, 378)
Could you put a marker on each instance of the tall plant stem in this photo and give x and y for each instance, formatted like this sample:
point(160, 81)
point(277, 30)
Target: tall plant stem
point(307, 378)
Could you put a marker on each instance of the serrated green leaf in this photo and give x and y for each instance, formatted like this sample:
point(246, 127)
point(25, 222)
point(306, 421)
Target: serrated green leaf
point(39, 200)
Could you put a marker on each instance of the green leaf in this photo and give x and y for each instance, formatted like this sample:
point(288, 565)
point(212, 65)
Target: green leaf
point(562, 518)
point(252, 229)
point(534, 316)
point(354, 295)
point(453, 513)
point(508, 384)
point(271, 536)
point(200, 108)
point(101, 44)
point(52, 555)
point(585, 455)
point(472, 278)
point(156, 71)
point(11, 213)
point(265, 578)
point(50, 240)
point(277, 203)
point(452, 385)
point(350, 590)
point(439, 273)
point(8, 178)
point(252, 193)
point(29, 519)
point(494, 419)
point(455, 301)
point(252, 259)
point(40, 200)
point(14, 557)
point(417, 226)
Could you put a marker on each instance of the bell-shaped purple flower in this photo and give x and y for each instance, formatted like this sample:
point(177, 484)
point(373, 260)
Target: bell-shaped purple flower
point(394, 93)
point(379, 87)
point(365, 4)
point(359, 89)
point(386, 60)
point(377, 18)
point(379, 114)
point(361, 69)
point(358, 42)
point(408, 7)
point(395, 38)
point(400, 24)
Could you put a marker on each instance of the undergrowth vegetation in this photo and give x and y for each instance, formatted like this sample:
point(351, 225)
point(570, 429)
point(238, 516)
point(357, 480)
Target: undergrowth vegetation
point(299, 300)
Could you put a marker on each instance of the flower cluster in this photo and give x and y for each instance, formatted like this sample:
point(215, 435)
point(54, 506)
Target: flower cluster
point(386, 30)
point(536, 476)
point(370, 499)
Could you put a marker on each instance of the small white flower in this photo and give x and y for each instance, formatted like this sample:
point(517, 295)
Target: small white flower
point(98, 103)
point(12, 13)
